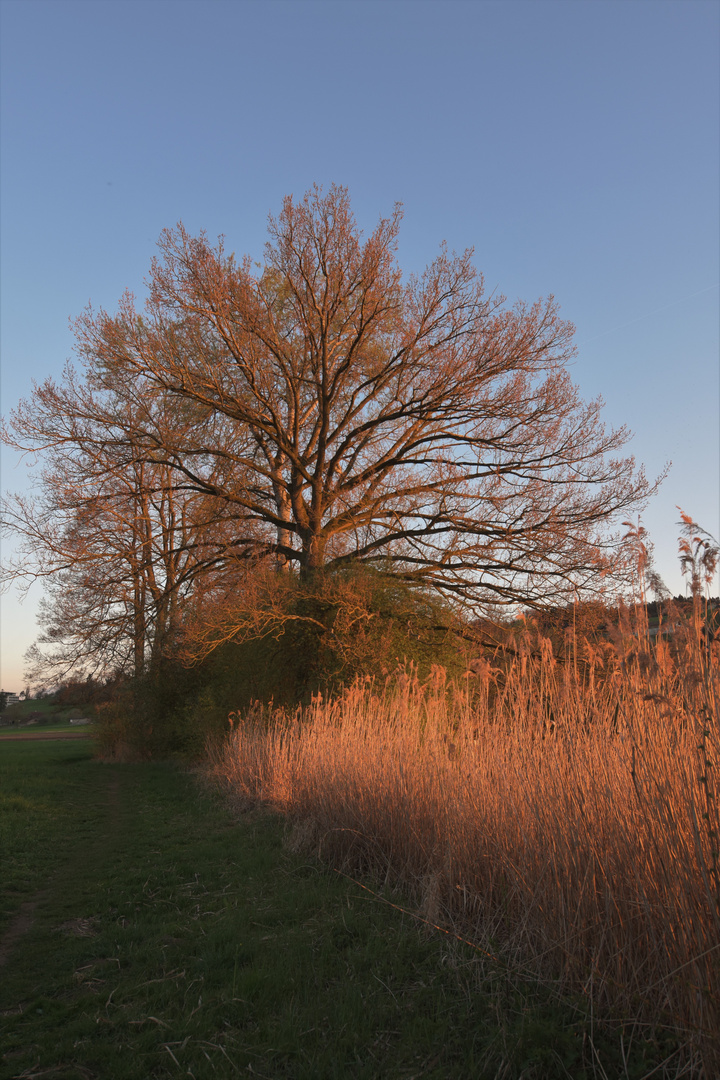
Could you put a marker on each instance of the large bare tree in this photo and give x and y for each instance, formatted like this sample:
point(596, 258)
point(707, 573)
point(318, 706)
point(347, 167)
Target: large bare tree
point(339, 413)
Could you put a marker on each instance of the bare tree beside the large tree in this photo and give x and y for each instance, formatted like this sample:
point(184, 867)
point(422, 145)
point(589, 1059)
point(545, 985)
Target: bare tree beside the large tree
point(118, 542)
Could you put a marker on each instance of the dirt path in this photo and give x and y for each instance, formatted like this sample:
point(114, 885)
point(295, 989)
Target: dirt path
point(45, 735)
point(19, 926)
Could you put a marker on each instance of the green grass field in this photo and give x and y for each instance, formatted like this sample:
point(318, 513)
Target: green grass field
point(41, 730)
point(150, 932)
point(48, 717)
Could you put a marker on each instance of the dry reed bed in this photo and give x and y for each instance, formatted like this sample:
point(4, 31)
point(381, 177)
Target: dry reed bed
point(565, 816)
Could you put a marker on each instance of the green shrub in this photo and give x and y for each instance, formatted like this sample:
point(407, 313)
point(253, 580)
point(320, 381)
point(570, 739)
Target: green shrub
point(319, 637)
point(329, 631)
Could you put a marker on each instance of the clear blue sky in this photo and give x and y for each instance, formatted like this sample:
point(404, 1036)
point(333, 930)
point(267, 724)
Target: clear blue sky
point(573, 143)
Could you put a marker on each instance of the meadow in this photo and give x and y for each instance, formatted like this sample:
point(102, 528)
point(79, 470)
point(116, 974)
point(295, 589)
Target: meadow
point(149, 930)
point(559, 813)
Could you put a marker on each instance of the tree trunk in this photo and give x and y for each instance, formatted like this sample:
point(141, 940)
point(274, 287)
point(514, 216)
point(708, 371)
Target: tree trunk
point(139, 629)
point(313, 553)
point(284, 511)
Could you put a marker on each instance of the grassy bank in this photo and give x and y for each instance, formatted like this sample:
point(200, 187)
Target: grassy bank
point(562, 815)
point(150, 932)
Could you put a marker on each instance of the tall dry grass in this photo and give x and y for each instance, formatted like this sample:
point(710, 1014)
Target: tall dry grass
point(564, 815)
